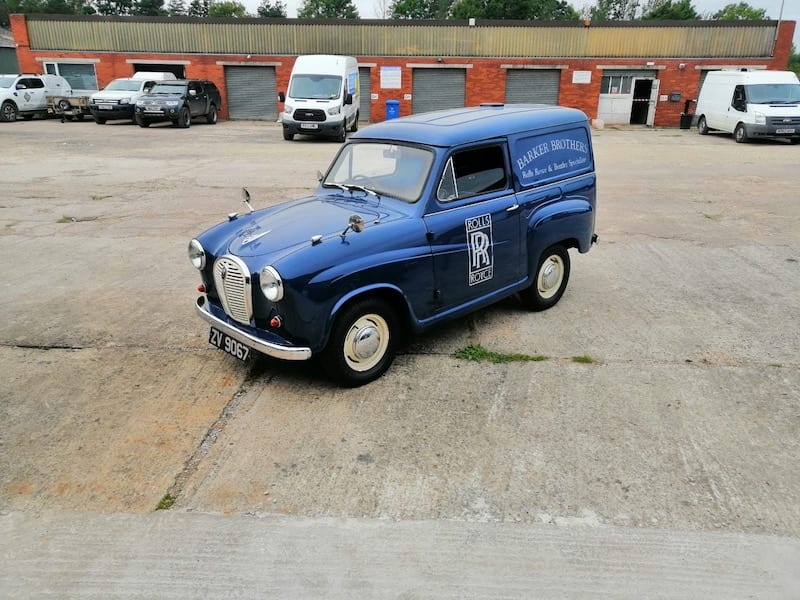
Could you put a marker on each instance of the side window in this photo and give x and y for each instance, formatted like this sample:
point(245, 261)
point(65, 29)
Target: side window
point(739, 101)
point(473, 172)
point(34, 83)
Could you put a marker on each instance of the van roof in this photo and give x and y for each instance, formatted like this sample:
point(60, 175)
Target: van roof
point(322, 64)
point(462, 125)
point(760, 76)
point(153, 75)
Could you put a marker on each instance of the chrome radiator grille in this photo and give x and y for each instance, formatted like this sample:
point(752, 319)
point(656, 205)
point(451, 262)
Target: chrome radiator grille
point(232, 280)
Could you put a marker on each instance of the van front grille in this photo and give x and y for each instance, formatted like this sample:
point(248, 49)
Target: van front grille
point(309, 114)
point(784, 121)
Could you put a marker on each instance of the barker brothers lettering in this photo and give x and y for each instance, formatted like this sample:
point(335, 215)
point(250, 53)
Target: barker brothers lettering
point(552, 157)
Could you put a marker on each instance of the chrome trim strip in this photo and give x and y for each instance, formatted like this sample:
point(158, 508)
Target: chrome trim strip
point(273, 350)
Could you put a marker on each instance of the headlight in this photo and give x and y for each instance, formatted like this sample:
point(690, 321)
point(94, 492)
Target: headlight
point(124, 100)
point(197, 255)
point(334, 110)
point(761, 119)
point(288, 109)
point(271, 284)
point(172, 103)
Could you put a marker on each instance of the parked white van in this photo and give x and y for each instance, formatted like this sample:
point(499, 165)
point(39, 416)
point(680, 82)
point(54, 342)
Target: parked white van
point(323, 97)
point(26, 95)
point(750, 104)
point(118, 99)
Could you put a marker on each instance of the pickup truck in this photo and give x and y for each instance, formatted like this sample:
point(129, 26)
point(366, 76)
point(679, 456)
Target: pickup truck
point(118, 99)
point(27, 95)
point(179, 101)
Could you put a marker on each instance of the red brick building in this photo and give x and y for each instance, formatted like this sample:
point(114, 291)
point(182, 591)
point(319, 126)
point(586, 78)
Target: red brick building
point(645, 73)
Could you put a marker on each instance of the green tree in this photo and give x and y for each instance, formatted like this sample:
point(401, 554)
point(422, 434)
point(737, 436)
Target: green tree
point(113, 7)
point(794, 61)
point(740, 12)
point(615, 10)
point(176, 8)
point(198, 8)
point(673, 10)
point(327, 9)
point(148, 8)
point(522, 10)
point(420, 9)
point(271, 9)
point(227, 8)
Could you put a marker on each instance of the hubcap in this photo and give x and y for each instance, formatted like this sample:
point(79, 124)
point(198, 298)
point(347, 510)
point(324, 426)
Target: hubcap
point(366, 342)
point(550, 276)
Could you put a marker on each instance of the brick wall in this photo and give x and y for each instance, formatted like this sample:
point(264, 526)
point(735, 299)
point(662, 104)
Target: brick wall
point(485, 79)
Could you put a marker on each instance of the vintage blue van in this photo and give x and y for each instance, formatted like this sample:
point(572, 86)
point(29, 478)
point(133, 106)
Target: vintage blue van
point(418, 220)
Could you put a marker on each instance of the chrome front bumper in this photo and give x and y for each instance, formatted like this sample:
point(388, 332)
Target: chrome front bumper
point(268, 348)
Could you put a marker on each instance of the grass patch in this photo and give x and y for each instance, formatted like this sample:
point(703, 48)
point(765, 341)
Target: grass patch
point(101, 197)
point(166, 502)
point(776, 365)
point(478, 353)
point(584, 360)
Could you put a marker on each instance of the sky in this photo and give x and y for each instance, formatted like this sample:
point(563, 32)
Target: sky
point(370, 9)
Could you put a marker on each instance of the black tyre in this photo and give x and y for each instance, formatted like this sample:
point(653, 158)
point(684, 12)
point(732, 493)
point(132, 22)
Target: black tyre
point(341, 135)
point(288, 136)
point(141, 122)
point(550, 281)
point(362, 344)
point(702, 126)
point(740, 134)
point(100, 120)
point(354, 128)
point(28, 116)
point(64, 105)
point(212, 117)
point(8, 112)
point(184, 118)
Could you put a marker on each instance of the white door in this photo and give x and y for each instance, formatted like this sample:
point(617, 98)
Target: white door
point(651, 109)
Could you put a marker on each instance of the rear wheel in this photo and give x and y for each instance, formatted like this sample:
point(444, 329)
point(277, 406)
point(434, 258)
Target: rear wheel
point(8, 112)
point(702, 126)
point(211, 117)
point(362, 343)
point(740, 135)
point(552, 276)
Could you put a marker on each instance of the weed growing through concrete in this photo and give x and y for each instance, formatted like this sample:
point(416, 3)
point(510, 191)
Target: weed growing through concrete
point(166, 502)
point(585, 359)
point(478, 353)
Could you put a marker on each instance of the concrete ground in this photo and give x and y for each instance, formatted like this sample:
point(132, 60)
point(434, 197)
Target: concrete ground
point(665, 467)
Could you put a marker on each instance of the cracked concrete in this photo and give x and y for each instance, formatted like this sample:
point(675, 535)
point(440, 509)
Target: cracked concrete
point(687, 421)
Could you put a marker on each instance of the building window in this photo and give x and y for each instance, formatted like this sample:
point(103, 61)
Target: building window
point(616, 84)
point(80, 76)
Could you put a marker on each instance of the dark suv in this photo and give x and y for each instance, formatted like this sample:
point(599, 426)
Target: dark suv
point(179, 101)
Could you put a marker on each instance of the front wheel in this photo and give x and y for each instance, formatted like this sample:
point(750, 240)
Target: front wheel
point(8, 112)
point(141, 122)
point(354, 128)
point(362, 343)
point(184, 118)
point(288, 136)
point(100, 120)
point(740, 135)
point(552, 276)
point(341, 135)
point(702, 126)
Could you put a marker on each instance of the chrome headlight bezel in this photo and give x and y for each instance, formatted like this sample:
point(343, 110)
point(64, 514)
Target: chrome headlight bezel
point(271, 284)
point(197, 255)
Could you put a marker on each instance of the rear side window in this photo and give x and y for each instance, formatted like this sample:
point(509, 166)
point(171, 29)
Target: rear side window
point(473, 172)
point(543, 158)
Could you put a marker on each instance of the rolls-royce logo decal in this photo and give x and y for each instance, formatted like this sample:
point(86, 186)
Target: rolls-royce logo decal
point(479, 246)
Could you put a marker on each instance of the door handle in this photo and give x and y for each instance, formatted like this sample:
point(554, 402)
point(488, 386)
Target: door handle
point(512, 208)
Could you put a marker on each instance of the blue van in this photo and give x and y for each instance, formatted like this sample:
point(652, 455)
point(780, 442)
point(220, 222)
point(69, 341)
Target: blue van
point(418, 220)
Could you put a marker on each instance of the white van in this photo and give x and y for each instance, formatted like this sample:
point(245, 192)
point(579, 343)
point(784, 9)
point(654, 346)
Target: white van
point(26, 95)
point(323, 97)
point(750, 104)
point(118, 99)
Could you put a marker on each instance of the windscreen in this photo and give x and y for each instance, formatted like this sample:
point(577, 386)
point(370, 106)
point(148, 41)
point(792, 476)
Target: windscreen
point(773, 93)
point(123, 86)
point(168, 88)
point(387, 169)
point(316, 87)
point(6, 81)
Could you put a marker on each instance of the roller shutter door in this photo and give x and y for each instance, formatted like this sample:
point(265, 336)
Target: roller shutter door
point(527, 86)
point(437, 89)
point(365, 89)
point(252, 93)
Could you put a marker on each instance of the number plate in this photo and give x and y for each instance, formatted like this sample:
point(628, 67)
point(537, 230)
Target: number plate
point(105, 106)
point(784, 131)
point(309, 126)
point(225, 342)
